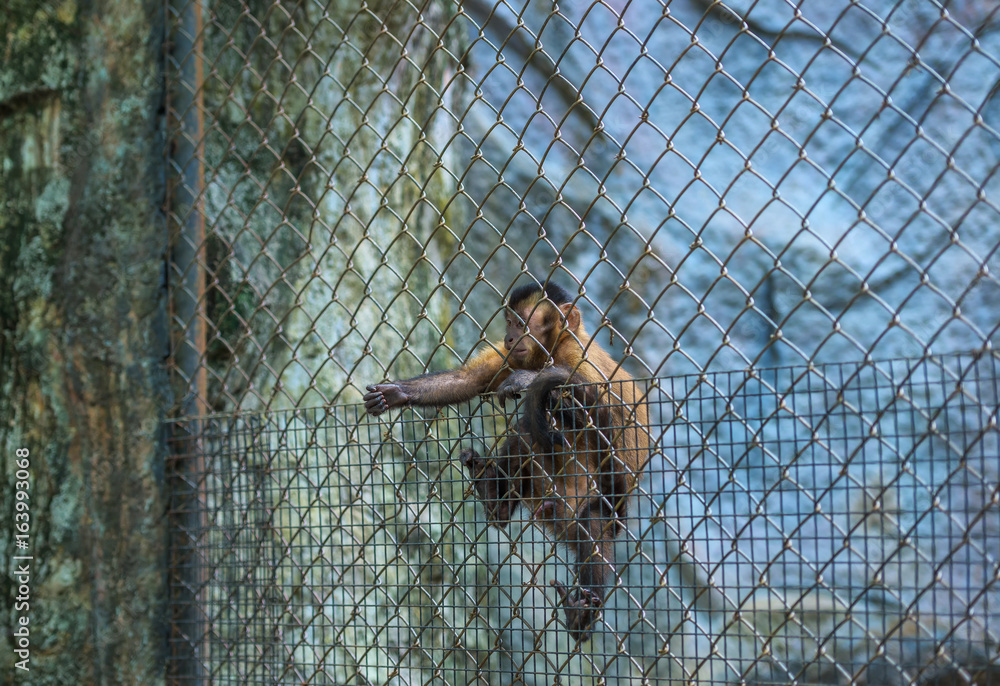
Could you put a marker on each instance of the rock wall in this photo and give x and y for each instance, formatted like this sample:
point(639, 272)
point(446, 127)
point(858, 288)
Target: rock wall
point(83, 338)
point(736, 185)
point(329, 209)
point(730, 186)
point(762, 184)
point(327, 200)
point(770, 185)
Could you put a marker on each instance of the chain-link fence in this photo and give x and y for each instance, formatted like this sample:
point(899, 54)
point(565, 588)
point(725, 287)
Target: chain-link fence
point(832, 524)
point(780, 216)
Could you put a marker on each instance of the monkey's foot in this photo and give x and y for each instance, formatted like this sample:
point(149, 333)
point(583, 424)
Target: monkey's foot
point(470, 460)
point(582, 607)
point(490, 486)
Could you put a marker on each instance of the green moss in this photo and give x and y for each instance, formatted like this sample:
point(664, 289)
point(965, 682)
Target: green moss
point(40, 52)
point(81, 310)
point(230, 302)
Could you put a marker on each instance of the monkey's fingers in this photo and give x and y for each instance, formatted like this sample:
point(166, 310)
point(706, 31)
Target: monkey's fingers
point(584, 596)
point(468, 458)
point(375, 402)
point(479, 468)
point(505, 395)
point(514, 385)
point(561, 590)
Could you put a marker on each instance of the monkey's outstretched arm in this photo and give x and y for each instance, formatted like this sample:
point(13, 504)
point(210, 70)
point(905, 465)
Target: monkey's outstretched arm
point(479, 375)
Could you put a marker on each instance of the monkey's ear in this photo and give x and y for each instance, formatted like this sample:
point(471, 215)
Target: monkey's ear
point(572, 315)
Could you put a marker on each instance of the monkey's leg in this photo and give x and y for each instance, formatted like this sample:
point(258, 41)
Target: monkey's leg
point(614, 482)
point(493, 485)
point(591, 537)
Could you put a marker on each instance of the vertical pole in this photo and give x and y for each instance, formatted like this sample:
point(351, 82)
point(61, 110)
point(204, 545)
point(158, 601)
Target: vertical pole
point(187, 204)
point(189, 632)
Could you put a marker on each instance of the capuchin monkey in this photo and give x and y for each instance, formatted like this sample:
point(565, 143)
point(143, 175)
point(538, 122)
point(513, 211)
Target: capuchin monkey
point(576, 452)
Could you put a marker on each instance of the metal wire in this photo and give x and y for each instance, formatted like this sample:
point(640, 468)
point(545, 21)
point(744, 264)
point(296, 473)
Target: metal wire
point(824, 524)
point(805, 193)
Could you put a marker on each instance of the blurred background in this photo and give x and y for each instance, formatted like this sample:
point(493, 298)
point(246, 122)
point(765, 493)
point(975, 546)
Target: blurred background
point(222, 220)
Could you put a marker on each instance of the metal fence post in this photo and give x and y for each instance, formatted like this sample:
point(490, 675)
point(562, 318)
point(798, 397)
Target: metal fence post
point(187, 221)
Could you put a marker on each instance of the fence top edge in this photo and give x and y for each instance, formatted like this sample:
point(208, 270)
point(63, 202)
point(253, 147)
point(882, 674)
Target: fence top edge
point(794, 371)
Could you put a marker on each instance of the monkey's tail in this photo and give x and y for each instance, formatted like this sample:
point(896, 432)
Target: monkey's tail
point(540, 400)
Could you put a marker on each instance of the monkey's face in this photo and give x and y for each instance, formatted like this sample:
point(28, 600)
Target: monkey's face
point(531, 333)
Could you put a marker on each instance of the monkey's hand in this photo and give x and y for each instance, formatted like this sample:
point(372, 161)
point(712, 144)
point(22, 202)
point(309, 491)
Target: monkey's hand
point(384, 396)
point(515, 384)
point(491, 486)
point(582, 607)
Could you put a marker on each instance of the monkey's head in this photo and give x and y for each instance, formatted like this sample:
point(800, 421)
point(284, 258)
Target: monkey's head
point(537, 318)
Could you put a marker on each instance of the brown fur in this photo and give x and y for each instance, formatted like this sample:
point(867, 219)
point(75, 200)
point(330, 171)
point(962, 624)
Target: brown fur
point(573, 460)
point(577, 478)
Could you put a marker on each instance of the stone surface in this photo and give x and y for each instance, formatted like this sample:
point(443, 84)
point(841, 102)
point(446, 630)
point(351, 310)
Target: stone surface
point(748, 185)
point(774, 184)
point(329, 211)
point(782, 182)
point(84, 336)
point(728, 187)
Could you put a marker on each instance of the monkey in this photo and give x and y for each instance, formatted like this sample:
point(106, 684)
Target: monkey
point(544, 328)
point(573, 478)
point(594, 456)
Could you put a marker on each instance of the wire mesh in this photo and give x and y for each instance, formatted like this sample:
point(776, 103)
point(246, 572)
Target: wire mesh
point(724, 184)
point(825, 524)
point(791, 190)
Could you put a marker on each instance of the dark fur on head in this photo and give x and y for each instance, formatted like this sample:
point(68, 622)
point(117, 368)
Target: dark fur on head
point(531, 292)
